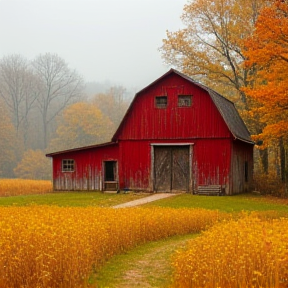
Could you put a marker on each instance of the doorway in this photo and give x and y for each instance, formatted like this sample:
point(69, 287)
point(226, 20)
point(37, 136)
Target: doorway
point(171, 168)
point(110, 176)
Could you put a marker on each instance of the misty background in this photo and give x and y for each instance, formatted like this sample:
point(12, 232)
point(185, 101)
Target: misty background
point(69, 70)
point(105, 41)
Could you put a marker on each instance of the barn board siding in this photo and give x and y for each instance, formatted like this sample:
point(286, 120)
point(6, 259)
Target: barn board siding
point(180, 169)
point(134, 165)
point(201, 120)
point(171, 168)
point(88, 173)
point(162, 169)
point(220, 148)
point(212, 160)
point(241, 153)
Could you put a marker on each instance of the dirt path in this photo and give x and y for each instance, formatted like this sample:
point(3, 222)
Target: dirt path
point(147, 266)
point(150, 269)
point(145, 200)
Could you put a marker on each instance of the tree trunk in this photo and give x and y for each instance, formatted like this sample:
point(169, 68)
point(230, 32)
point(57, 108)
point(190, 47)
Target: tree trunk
point(264, 160)
point(282, 160)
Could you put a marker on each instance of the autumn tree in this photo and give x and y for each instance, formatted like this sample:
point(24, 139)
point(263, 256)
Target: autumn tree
point(8, 143)
point(19, 91)
point(267, 53)
point(81, 124)
point(113, 103)
point(210, 47)
point(34, 165)
point(60, 86)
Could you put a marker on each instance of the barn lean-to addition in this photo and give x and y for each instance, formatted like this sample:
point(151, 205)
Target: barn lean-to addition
point(177, 135)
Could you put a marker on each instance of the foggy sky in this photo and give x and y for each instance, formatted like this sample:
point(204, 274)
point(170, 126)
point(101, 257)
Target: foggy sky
point(115, 40)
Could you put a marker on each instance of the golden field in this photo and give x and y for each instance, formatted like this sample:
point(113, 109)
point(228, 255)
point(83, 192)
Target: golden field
point(250, 252)
point(49, 246)
point(15, 187)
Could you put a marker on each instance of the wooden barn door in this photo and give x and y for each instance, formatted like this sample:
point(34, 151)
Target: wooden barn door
point(171, 168)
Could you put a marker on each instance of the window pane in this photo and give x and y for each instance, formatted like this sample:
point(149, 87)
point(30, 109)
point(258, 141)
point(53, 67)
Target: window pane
point(161, 101)
point(68, 165)
point(184, 100)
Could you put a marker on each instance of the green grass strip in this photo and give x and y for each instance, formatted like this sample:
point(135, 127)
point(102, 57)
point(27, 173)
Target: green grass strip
point(148, 265)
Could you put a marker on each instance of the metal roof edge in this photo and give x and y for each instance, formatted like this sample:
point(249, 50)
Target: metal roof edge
point(81, 148)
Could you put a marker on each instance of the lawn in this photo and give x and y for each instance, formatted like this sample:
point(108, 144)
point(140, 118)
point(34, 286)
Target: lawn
point(71, 199)
point(236, 203)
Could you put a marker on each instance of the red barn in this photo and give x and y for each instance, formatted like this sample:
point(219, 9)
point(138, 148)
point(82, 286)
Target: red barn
point(177, 135)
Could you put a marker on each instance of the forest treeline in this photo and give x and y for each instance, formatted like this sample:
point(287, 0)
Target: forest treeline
point(240, 49)
point(44, 108)
point(237, 47)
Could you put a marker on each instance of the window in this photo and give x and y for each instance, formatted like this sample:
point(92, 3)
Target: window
point(161, 101)
point(68, 165)
point(184, 100)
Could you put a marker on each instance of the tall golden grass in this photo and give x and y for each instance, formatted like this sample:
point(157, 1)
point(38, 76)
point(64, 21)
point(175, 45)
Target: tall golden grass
point(15, 187)
point(49, 246)
point(250, 252)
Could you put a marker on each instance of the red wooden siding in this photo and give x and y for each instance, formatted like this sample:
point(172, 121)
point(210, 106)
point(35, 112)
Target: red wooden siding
point(211, 162)
point(241, 153)
point(88, 173)
point(134, 169)
point(201, 120)
point(204, 136)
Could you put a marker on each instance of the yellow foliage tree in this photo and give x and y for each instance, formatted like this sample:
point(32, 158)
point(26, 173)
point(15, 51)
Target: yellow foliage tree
point(81, 124)
point(34, 165)
point(210, 47)
point(113, 103)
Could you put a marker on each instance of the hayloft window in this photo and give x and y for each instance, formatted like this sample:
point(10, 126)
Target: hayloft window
point(184, 100)
point(68, 165)
point(161, 101)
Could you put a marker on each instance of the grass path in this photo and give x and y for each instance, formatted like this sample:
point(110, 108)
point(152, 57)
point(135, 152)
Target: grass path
point(146, 266)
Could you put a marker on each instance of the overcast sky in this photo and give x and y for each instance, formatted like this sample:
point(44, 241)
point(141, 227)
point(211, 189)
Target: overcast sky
point(115, 40)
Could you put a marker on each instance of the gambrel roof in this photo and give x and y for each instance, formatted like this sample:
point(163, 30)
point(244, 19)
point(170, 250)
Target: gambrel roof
point(225, 107)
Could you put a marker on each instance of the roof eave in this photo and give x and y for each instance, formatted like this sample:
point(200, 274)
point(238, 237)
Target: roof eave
point(80, 148)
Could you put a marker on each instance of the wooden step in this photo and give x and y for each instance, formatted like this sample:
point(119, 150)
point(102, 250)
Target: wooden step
point(209, 190)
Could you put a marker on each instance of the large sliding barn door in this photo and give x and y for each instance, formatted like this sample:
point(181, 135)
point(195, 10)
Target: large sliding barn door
point(171, 168)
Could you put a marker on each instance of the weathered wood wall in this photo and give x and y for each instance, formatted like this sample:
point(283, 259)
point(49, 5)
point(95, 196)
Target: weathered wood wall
point(215, 157)
point(88, 174)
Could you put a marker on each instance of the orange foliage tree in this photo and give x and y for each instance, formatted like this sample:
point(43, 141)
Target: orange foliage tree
point(210, 48)
point(267, 54)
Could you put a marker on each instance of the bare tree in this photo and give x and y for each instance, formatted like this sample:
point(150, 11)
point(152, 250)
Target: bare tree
point(60, 86)
point(113, 103)
point(18, 89)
